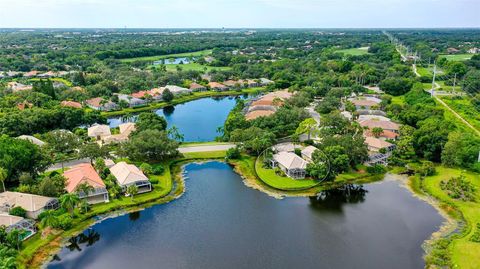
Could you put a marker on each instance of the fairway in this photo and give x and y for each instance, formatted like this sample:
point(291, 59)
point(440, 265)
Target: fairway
point(457, 57)
point(195, 67)
point(167, 56)
point(354, 51)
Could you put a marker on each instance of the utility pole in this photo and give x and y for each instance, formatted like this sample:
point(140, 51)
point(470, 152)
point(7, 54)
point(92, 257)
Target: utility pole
point(415, 59)
point(454, 81)
point(479, 156)
point(434, 75)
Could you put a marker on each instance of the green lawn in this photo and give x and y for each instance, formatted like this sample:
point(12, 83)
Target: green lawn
point(279, 182)
point(464, 108)
point(464, 253)
point(428, 71)
point(457, 57)
point(168, 56)
point(354, 51)
point(62, 80)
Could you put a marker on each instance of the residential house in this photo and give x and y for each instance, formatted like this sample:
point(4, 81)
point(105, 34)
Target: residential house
point(177, 90)
point(140, 94)
point(291, 164)
point(101, 104)
point(267, 104)
point(307, 153)
point(385, 125)
point(130, 100)
point(99, 131)
point(71, 104)
point(49, 74)
point(18, 87)
point(125, 130)
point(85, 174)
point(474, 50)
point(347, 115)
point(364, 103)
point(217, 86)
point(32, 139)
point(252, 83)
point(265, 82)
point(379, 151)
point(385, 135)
point(197, 87)
point(452, 51)
point(18, 223)
point(30, 74)
point(373, 117)
point(286, 147)
point(129, 174)
point(33, 204)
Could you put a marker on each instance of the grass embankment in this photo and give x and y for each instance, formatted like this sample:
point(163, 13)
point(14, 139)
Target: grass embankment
point(181, 100)
point(354, 51)
point(464, 108)
point(38, 249)
point(168, 56)
point(246, 166)
point(457, 57)
point(457, 250)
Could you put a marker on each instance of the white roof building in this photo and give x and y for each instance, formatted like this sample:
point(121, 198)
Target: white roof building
point(129, 174)
point(33, 204)
point(99, 130)
point(32, 139)
point(308, 152)
point(291, 164)
point(177, 90)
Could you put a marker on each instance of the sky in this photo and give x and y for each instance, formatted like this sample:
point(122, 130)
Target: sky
point(239, 13)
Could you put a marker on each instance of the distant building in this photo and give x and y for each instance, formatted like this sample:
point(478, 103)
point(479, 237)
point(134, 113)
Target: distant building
point(217, 86)
point(364, 103)
point(101, 104)
point(99, 131)
point(125, 130)
point(452, 51)
point(18, 87)
point(130, 100)
point(30, 74)
point(307, 153)
point(71, 104)
point(197, 87)
point(32, 139)
point(177, 90)
point(265, 82)
point(385, 125)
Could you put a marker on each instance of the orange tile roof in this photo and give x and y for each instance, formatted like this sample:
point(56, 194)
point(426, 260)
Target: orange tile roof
point(258, 113)
point(71, 104)
point(140, 94)
point(82, 173)
point(195, 86)
point(386, 134)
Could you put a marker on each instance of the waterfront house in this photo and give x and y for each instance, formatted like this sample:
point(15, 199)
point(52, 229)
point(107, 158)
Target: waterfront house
point(364, 103)
point(130, 100)
point(71, 104)
point(99, 131)
point(376, 144)
point(33, 204)
point(291, 164)
point(265, 82)
point(177, 90)
point(18, 223)
point(140, 94)
point(385, 135)
point(18, 87)
point(252, 83)
point(85, 174)
point(217, 86)
point(197, 87)
point(101, 104)
point(32, 139)
point(129, 174)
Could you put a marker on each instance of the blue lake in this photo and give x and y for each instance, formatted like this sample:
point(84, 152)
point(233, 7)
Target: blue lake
point(197, 120)
point(221, 223)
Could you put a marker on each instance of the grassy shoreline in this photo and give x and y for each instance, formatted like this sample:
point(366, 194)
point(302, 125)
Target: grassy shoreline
point(181, 100)
point(451, 246)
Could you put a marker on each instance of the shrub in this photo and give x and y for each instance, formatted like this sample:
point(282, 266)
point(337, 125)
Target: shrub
point(146, 168)
point(153, 181)
point(158, 170)
point(427, 169)
point(376, 169)
point(64, 222)
point(476, 236)
point(18, 211)
point(233, 153)
point(459, 188)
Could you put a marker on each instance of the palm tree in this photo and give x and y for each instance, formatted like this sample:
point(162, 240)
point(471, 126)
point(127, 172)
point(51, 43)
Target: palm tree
point(132, 190)
point(86, 189)
point(69, 201)
point(3, 177)
point(49, 219)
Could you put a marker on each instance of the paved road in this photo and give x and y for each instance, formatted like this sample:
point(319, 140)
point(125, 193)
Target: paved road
point(67, 164)
point(205, 148)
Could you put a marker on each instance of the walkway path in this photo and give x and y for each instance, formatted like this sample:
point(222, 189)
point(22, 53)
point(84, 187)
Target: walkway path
point(205, 148)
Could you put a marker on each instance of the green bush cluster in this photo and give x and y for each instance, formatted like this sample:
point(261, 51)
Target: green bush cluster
point(459, 188)
point(476, 236)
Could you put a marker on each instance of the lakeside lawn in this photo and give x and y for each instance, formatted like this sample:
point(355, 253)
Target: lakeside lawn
point(354, 51)
point(269, 177)
point(168, 56)
point(464, 253)
point(180, 100)
point(457, 57)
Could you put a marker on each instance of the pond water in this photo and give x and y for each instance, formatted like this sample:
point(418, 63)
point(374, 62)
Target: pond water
point(179, 60)
point(197, 120)
point(221, 223)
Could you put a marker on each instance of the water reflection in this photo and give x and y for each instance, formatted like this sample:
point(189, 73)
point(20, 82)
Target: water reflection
point(168, 110)
point(335, 199)
point(85, 239)
point(134, 216)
